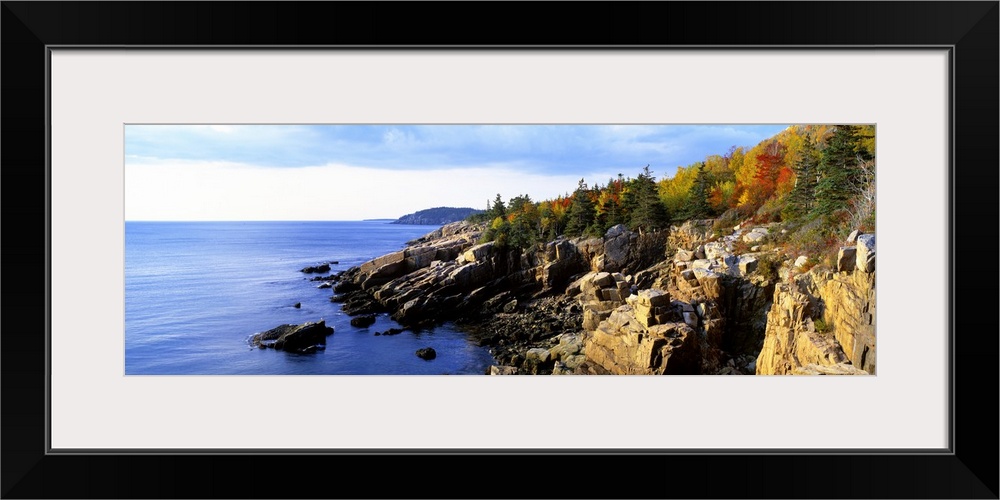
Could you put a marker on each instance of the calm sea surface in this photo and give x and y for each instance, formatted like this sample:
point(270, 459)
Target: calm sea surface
point(195, 292)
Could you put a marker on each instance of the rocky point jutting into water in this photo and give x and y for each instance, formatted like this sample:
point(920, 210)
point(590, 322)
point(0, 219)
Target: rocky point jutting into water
point(681, 301)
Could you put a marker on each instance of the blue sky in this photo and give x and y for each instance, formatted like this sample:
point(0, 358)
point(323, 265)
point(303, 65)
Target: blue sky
point(270, 172)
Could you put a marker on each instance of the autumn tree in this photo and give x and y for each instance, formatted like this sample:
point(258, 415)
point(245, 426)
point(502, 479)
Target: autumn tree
point(722, 196)
point(609, 210)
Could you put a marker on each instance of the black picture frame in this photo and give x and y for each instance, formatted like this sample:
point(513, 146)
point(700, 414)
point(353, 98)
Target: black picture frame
point(969, 470)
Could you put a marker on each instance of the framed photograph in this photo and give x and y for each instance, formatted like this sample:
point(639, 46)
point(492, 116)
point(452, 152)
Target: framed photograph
point(198, 125)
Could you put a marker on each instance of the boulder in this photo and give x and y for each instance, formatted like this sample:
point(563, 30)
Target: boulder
point(684, 256)
point(303, 338)
point(538, 355)
point(853, 237)
point(503, 370)
point(702, 264)
point(602, 280)
point(747, 264)
point(801, 261)
point(479, 253)
point(616, 230)
point(653, 297)
point(616, 247)
point(756, 234)
point(363, 321)
point(699, 253)
point(716, 250)
point(846, 259)
point(865, 260)
point(322, 268)
point(427, 353)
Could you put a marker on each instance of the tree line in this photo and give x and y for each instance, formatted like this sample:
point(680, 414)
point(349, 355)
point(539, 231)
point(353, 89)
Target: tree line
point(803, 173)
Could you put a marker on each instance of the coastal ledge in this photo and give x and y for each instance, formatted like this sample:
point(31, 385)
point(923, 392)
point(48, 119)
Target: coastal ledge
point(674, 301)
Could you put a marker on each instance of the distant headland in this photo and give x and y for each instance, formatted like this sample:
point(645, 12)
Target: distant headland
point(437, 216)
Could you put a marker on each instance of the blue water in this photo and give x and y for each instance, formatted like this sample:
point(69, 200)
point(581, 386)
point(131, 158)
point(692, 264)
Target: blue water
point(195, 292)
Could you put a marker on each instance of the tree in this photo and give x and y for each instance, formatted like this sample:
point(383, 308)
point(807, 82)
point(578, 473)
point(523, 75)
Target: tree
point(581, 211)
point(609, 205)
point(800, 199)
point(498, 209)
point(769, 163)
point(649, 213)
point(838, 171)
point(722, 196)
point(862, 206)
point(524, 218)
point(697, 205)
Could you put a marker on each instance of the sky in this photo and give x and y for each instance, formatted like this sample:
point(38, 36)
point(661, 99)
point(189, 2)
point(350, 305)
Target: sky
point(355, 172)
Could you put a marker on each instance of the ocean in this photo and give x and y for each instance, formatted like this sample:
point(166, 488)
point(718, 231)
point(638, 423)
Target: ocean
point(196, 291)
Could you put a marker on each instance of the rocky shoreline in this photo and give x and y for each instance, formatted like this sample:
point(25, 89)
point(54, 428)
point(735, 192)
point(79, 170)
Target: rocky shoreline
point(680, 301)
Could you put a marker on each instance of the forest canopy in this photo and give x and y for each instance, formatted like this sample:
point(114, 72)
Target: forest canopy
point(821, 174)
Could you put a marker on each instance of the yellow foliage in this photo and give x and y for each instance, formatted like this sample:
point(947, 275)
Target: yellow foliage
point(745, 198)
point(675, 191)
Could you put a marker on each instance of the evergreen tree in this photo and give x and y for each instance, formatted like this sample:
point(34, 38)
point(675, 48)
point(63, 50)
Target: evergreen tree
point(838, 171)
point(581, 211)
point(498, 209)
point(697, 206)
point(523, 227)
point(648, 213)
point(801, 199)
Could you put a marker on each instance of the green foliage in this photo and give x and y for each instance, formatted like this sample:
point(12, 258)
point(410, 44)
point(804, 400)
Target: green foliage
point(649, 213)
point(581, 211)
point(478, 218)
point(497, 209)
point(838, 171)
point(770, 211)
point(768, 266)
point(724, 224)
point(697, 206)
point(814, 179)
point(800, 200)
point(821, 325)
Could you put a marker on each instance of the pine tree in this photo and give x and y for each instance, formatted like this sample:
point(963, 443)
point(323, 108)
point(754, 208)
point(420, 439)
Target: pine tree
point(581, 211)
point(697, 206)
point(648, 213)
point(801, 199)
point(498, 209)
point(838, 171)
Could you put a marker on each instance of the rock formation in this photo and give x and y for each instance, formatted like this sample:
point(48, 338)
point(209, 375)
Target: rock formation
point(304, 338)
point(683, 301)
point(824, 319)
